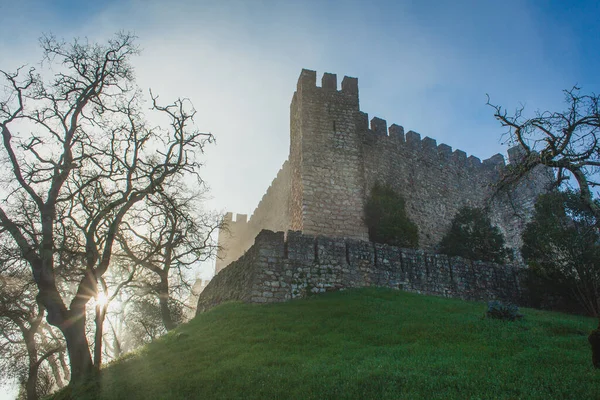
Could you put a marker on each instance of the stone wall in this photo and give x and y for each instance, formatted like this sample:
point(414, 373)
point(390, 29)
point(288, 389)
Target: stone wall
point(436, 181)
point(343, 156)
point(233, 284)
point(271, 213)
point(277, 269)
point(336, 157)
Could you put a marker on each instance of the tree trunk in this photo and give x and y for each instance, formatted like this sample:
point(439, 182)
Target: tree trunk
point(65, 368)
point(163, 300)
point(116, 346)
point(100, 315)
point(30, 384)
point(77, 346)
point(60, 358)
point(70, 322)
point(52, 360)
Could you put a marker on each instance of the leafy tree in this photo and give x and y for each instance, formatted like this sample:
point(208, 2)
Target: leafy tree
point(386, 219)
point(567, 141)
point(561, 245)
point(79, 154)
point(471, 235)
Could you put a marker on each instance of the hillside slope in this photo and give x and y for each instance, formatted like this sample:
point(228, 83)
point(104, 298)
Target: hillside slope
point(367, 344)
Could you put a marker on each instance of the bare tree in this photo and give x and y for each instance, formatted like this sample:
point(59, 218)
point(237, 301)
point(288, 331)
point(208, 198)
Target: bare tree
point(166, 236)
point(80, 154)
point(566, 141)
point(24, 344)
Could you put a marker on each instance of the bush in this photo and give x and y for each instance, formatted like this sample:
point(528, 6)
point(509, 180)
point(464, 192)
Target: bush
point(472, 236)
point(386, 219)
point(547, 292)
point(561, 246)
point(507, 312)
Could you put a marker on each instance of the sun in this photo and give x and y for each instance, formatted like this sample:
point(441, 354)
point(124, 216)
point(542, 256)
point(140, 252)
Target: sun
point(101, 299)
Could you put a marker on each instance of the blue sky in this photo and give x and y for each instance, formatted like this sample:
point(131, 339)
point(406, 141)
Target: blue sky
point(426, 65)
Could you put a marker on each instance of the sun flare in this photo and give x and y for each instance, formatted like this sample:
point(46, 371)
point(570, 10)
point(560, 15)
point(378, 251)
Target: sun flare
point(101, 299)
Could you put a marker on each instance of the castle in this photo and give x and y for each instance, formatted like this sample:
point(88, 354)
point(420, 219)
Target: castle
point(336, 157)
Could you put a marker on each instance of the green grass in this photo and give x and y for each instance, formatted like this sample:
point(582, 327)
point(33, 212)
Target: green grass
point(360, 344)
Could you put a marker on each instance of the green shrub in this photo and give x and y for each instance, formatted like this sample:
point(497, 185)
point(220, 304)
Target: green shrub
point(471, 235)
point(386, 219)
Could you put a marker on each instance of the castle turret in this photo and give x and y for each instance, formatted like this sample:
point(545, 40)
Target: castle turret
point(325, 156)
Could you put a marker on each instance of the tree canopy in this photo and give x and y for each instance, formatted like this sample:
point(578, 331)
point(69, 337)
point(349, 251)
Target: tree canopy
point(471, 235)
point(561, 245)
point(386, 219)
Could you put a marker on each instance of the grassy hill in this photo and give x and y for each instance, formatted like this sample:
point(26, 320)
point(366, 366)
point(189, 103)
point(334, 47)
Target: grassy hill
point(360, 344)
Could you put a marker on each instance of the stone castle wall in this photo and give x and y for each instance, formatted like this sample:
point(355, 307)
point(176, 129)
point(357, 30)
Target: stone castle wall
point(271, 213)
point(277, 269)
point(437, 182)
point(336, 157)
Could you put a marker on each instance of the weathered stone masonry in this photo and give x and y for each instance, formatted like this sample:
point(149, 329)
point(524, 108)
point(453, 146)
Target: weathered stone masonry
point(336, 157)
point(276, 269)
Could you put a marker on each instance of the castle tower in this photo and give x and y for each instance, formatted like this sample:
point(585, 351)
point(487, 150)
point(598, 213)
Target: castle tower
point(326, 158)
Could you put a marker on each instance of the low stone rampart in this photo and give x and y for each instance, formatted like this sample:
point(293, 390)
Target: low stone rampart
point(278, 268)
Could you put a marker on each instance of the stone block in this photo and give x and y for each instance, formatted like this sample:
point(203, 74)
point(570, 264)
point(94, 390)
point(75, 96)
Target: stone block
point(362, 123)
point(397, 132)
point(307, 79)
point(429, 143)
point(379, 126)
point(329, 81)
point(497, 160)
point(444, 150)
point(413, 138)
point(350, 85)
point(459, 156)
point(473, 162)
point(516, 154)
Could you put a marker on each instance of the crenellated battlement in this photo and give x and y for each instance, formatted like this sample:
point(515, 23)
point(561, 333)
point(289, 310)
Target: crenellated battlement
point(336, 156)
point(232, 218)
point(308, 82)
point(394, 135)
